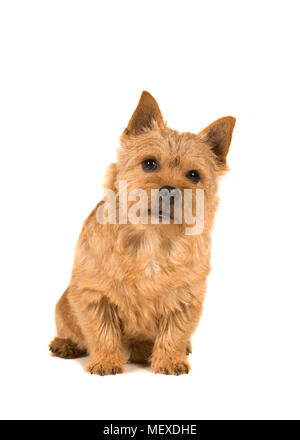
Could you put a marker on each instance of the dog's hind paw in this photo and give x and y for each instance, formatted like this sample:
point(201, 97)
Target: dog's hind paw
point(65, 348)
point(188, 348)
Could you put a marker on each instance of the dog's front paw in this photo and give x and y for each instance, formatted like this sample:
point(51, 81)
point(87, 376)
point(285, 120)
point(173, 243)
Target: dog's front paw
point(172, 366)
point(105, 366)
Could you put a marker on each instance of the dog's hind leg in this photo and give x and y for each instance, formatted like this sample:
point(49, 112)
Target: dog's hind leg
point(69, 343)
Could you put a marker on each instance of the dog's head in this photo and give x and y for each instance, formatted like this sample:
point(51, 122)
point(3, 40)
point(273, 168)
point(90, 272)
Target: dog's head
point(154, 157)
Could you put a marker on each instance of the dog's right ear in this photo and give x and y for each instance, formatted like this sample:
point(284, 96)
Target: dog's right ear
point(145, 116)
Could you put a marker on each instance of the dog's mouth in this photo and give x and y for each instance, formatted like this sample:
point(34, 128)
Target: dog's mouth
point(162, 214)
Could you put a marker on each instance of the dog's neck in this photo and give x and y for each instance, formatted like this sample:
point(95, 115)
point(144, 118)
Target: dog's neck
point(147, 242)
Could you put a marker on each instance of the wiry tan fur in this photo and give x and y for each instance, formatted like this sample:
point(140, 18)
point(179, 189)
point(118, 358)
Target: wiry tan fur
point(137, 291)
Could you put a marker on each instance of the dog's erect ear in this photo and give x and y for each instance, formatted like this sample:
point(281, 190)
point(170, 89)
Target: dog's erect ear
point(144, 115)
point(218, 136)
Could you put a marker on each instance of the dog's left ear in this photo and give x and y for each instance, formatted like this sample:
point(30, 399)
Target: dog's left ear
point(218, 136)
point(146, 114)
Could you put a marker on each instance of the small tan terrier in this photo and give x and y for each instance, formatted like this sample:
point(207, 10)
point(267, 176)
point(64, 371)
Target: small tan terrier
point(137, 288)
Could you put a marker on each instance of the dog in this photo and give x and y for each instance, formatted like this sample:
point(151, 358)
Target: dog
point(137, 290)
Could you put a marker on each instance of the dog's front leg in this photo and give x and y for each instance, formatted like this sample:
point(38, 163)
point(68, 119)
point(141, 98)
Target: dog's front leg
point(170, 353)
point(100, 324)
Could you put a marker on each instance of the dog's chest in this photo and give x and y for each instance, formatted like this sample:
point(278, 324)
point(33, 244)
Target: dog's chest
point(152, 279)
point(152, 267)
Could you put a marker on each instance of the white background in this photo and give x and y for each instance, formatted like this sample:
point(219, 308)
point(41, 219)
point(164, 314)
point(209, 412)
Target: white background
point(71, 75)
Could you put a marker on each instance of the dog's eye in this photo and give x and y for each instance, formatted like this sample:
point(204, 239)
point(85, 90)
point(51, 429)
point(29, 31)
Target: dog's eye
point(193, 175)
point(149, 165)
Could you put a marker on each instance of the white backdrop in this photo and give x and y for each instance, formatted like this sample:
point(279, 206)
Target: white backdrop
point(71, 75)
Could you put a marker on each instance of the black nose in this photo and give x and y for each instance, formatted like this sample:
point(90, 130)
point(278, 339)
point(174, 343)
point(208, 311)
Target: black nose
point(169, 191)
point(169, 188)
